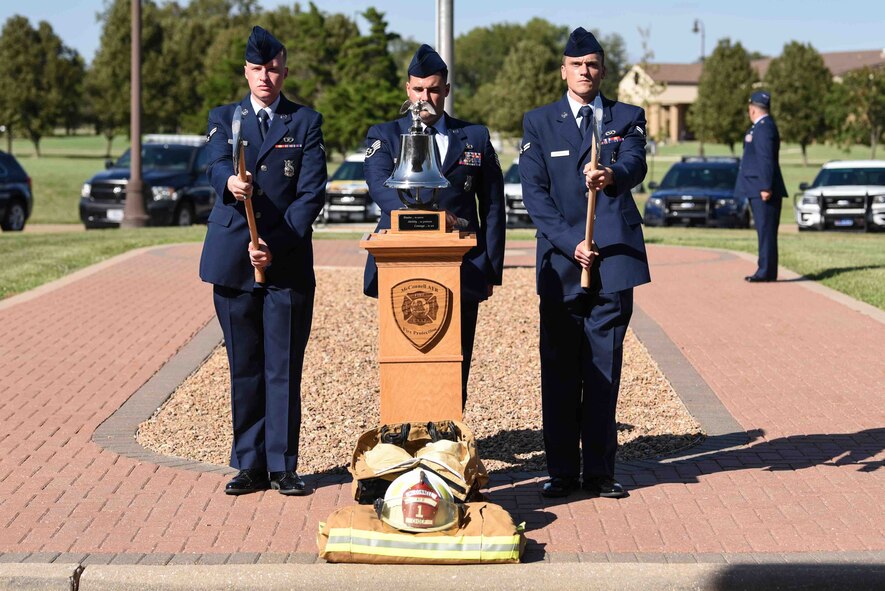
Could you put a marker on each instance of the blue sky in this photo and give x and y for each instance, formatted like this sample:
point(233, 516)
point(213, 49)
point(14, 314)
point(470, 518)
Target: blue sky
point(763, 26)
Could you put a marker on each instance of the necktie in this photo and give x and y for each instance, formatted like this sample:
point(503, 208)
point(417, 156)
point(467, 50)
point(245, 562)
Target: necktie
point(262, 123)
point(584, 112)
point(432, 132)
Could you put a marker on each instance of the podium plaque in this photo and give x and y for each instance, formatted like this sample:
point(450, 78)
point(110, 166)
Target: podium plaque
point(419, 311)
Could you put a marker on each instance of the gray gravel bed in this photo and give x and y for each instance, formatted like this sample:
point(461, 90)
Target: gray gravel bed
point(340, 388)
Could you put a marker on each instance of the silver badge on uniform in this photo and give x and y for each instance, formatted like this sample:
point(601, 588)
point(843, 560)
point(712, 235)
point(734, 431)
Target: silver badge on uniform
point(288, 140)
point(468, 184)
point(373, 148)
point(288, 168)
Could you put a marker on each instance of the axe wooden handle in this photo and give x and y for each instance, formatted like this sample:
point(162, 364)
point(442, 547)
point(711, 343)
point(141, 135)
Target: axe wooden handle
point(591, 214)
point(250, 214)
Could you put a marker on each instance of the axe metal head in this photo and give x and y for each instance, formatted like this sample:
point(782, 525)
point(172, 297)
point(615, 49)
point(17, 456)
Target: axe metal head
point(596, 141)
point(237, 139)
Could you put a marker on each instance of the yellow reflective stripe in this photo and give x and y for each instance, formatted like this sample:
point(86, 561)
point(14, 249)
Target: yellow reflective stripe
point(411, 538)
point(437, 554)
point(439, 547)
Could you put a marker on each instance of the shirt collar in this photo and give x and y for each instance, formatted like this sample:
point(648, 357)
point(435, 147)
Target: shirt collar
point(764, 115)
point(440, 126)
point(270, 110)
point(596, 104)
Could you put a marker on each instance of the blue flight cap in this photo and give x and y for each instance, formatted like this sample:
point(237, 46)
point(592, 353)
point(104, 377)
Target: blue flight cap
point(262, 47)
point(761, 98)
point(580, 43)
point(427, 63)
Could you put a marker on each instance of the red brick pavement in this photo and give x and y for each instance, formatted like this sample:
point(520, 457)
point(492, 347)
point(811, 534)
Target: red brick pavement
point(803, 371)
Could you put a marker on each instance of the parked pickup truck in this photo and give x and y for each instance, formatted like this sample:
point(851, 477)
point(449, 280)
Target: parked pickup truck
point(176, 188)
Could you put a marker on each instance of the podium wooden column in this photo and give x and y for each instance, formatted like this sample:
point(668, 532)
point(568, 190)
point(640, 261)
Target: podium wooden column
point(419, 311)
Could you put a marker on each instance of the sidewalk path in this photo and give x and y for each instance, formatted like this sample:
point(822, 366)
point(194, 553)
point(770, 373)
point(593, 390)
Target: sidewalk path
point(798, 371)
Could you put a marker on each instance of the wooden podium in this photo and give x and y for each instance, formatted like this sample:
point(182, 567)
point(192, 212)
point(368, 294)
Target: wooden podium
point(419, 310)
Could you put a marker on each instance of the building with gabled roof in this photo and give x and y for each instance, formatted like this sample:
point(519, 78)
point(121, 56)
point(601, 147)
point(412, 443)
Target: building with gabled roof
point(666, 90)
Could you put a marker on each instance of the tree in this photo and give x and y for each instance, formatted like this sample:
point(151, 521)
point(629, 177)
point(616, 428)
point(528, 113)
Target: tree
point(45, 74)
point(368, 90)
point(855, 109)
point(799, 81)
point(616, 63)
point(529, 78)
point(483, 51)
point(720, 111)
point(481, 54)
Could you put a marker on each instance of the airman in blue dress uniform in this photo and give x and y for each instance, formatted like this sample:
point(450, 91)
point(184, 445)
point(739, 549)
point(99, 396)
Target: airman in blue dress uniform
point(266, 326)
point(760, 180)
point(582, 331)
point(476, 194)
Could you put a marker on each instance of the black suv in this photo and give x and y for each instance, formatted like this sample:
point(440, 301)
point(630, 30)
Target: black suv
point(16, 199)
point(176, 188)
point(698, 191)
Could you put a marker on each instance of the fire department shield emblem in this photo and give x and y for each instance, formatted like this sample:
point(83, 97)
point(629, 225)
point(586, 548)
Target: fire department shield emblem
point(422, 309)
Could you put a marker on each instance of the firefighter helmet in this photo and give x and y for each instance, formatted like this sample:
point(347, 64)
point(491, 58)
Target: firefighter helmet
point(418, 501)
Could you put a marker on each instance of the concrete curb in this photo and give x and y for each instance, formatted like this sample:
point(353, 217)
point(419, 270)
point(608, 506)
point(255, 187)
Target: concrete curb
point(799, 572)
point(39, 577)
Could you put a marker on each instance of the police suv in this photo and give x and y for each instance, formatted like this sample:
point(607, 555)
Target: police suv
point(847, 194)
point(176, 188)
point(517, 215)
point(16, 199)
point(347, 194)
point(698, 191)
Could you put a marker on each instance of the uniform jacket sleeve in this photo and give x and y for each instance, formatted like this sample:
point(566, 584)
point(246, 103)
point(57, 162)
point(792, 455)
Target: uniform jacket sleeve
point(630, 168)
point(492, 212)
point(536, 194)
point(764, 142)
point(221, 164)
point(378, 168)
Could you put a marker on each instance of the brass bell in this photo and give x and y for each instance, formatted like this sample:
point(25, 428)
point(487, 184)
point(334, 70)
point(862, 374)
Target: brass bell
point(417, 166)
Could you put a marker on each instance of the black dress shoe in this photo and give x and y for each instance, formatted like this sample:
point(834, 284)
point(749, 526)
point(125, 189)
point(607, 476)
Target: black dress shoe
point(756, 279)
point(559, 487)
point(247, 481)
point(288, 483)
point(603, 486)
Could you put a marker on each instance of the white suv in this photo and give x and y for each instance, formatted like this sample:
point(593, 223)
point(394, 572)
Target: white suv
point(845, 194)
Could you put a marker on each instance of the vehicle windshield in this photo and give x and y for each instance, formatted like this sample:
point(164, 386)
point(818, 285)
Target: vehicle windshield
point(161, 157)
point(831, 177)
point(512, 175)
point(350, 171)
point(702, 177)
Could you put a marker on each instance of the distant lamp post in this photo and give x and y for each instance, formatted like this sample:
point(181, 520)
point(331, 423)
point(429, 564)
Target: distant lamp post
point(445, 45)
point(699, 28)
point(134, 214)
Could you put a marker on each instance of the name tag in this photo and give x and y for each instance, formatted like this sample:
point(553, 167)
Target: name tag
point(559, 154)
